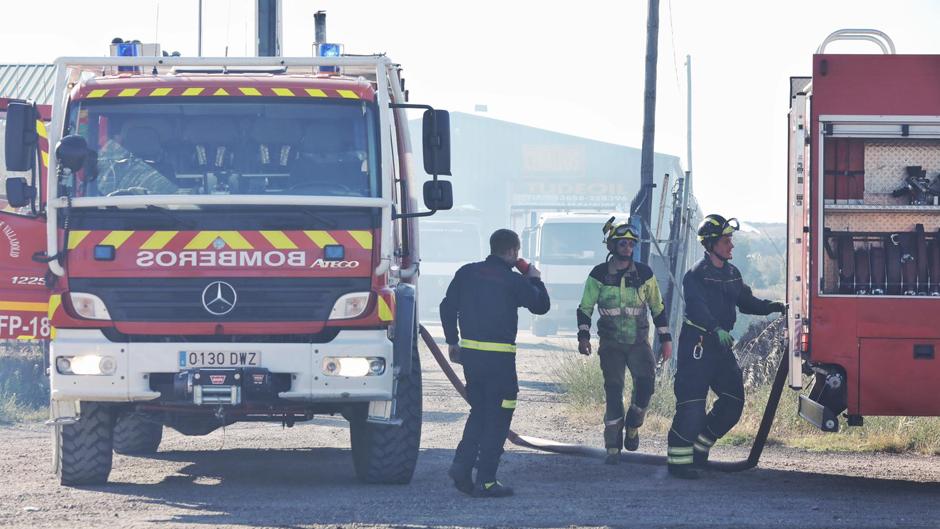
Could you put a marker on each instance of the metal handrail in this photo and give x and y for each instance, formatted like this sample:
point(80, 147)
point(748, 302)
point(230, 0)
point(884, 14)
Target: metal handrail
point(871, 35)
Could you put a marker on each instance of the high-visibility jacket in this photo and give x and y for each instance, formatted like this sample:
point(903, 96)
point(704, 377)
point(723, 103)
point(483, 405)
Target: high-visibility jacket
point(484, 298)
point(623, 299)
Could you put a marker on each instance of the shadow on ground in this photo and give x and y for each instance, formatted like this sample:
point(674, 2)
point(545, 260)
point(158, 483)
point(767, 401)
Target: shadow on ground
point(302, 487)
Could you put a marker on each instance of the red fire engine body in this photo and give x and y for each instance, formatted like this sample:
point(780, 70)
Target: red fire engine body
point(219, 244)
point(864, 247)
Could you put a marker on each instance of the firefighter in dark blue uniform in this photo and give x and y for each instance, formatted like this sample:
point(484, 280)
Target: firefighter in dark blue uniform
point(713, 290)
point(484, 298)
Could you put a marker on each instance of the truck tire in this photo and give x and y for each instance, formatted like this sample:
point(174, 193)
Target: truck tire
point(388, 453)
point(85, 447)
point(137, 434)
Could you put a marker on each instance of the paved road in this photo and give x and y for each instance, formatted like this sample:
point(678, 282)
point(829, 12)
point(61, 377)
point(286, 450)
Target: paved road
point(259, 475)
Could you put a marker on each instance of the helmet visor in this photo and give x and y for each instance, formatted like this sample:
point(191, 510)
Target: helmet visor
point(731, 225)
point(624, 231)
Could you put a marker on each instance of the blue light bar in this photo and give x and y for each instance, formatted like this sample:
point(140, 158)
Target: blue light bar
point(126, 49)
point(329, 49)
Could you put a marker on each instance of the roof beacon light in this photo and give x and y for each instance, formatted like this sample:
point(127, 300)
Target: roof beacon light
point(120, 48)
point(328, 49)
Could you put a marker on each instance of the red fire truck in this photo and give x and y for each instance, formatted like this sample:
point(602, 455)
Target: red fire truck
point(221, 240)
point(864, 248)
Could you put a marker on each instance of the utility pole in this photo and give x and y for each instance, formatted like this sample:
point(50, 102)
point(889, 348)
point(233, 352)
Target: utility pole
point(649, 129)
point(268, 28)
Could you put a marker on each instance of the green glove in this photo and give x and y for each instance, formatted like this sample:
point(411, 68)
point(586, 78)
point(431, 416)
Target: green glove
point(724, 337)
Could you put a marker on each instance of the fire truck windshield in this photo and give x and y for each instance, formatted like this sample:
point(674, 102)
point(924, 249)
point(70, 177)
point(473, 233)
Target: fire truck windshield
point(323, 148)
point(576, 243)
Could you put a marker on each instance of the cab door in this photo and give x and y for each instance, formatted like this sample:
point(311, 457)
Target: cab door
point(24, 297)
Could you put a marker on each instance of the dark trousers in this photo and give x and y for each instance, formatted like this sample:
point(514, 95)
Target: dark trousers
point(616, 358)
point(492, 387)
point(693, 432)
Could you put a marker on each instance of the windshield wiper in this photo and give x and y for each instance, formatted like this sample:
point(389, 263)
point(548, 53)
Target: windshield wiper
point(179, 223)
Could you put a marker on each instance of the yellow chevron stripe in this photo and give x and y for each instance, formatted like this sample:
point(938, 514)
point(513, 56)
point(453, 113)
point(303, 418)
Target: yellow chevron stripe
point(158, 240)
point(348, 94)
point(116, 238)
point(315, 92)
point(385, 312)
point(25, 306)
point(221, 92)
point(278, 240)
point(250, 91)
point(128, 92)
point(45, 158)
point(54, 301)
point(41, 129)
point(320, 238)
point(76, 237)
point(101, 92)
point(364, 238)
point(233, 239)
point(283, 92)
point(160, 91)
point(193, 91)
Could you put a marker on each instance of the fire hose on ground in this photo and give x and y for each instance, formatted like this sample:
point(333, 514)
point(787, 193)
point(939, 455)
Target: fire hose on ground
point(556, 447)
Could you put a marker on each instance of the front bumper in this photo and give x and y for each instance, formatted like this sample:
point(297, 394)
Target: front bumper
point(136, 362)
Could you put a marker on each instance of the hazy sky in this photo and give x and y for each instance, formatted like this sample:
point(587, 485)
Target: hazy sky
point(573, 67)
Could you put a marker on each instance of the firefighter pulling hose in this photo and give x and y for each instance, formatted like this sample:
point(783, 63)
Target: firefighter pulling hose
point(546, 445)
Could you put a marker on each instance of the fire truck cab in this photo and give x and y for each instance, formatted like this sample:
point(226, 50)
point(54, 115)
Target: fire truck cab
point(864, 247)
point(223, 240)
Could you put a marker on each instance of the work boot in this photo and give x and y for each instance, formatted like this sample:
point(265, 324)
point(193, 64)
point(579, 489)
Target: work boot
point(493, 489)
point(613, 456)
point(463, 478)
point(684, 472)
point(631, 440)
point(700, 460)
point(613, 434)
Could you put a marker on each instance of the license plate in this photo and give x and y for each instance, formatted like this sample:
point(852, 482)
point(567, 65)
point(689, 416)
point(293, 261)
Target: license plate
point(219, 359)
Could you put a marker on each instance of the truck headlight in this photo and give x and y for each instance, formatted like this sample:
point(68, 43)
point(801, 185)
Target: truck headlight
point(89, 306)
point(353, 366)
point(86, 365)
point(350, 305)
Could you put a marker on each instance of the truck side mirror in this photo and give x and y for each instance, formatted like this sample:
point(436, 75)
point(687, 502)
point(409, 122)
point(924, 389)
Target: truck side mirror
point(438, 195)
point(435, 130)
point(19, 193)
point(21, 139)
point(72, 151)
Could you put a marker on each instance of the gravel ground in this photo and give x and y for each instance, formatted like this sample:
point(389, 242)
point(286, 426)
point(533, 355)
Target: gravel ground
point(262, 475)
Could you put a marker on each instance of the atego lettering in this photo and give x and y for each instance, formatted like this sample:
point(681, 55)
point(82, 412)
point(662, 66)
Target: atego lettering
point(224, 259)
point(322, 263)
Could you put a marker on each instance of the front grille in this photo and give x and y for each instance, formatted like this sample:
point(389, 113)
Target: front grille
point(258, 299)
point(558, 291)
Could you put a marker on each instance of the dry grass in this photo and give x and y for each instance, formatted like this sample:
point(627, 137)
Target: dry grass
point(24, 387)
point(759, 355)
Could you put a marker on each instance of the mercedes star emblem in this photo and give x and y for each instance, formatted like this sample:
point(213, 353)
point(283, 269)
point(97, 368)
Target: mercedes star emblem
point(219, 298)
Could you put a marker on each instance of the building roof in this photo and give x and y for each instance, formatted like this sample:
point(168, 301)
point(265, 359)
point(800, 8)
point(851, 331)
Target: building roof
point(33, 82)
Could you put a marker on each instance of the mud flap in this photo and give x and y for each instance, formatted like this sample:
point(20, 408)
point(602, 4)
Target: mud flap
point(405, 327)
point(818, 415)
point(403, 343)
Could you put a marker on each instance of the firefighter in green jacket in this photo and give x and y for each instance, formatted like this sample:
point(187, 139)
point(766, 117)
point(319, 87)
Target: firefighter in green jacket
point(623, 290)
